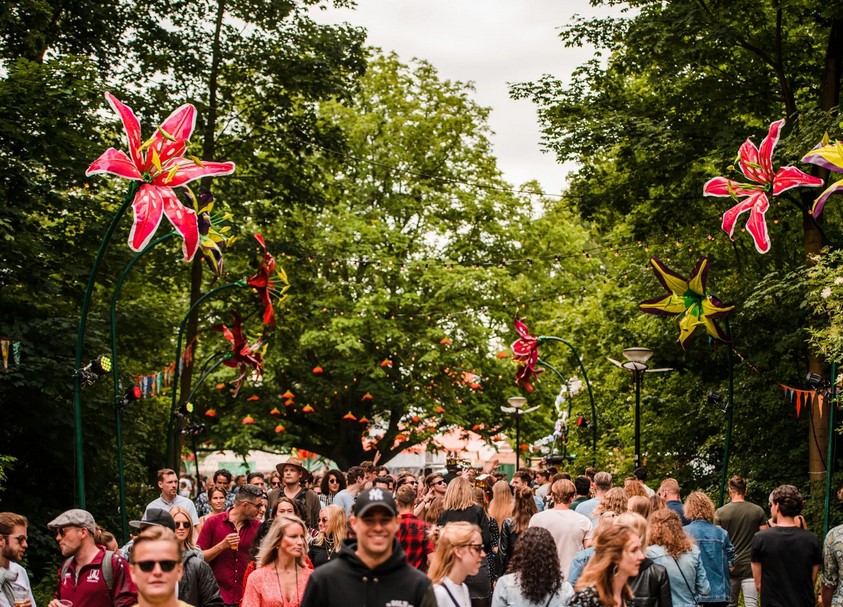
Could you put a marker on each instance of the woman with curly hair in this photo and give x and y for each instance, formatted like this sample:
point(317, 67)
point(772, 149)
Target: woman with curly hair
point(674, 550)
point(332, 483)
point(535, 578)
point(459, 554)
point(716, 550)
point(617, 557)
point(614, 501)
point(332, 531)
point(522, 511)
point(632, 488)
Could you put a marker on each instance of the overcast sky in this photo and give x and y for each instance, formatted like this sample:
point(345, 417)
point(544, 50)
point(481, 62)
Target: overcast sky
point(490, 43)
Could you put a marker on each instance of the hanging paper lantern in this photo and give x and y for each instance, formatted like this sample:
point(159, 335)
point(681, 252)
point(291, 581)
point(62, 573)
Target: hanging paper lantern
point(363, 420)
point(367, 397)
point(219, 386)
point(386, 363)
point(275, 411)
point(248, 420)
point(502, 354)
point(307, 409)
point(288, 394)
point(210, 413)
point(445, 341)
point(400, 436)
point(524, 446)
point(477, 427)
point(440, 409)
point(416, 419)
point(279, 428)
point(189, 407)
point(474, 386)
point(289, 403)
point(317, 370)
point(350, 417)
point(253, 397)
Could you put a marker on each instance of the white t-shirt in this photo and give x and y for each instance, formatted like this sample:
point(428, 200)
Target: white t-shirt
point(570, 531)
point(460, 594)
point(21, 583)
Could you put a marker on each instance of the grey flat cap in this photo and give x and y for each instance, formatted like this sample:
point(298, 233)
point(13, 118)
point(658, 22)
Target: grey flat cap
point(73, 518)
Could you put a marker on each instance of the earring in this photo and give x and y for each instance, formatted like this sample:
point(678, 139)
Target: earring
point(615, 570)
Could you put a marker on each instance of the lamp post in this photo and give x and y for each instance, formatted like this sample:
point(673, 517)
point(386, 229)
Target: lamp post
point(636, 363)
point(517, 407)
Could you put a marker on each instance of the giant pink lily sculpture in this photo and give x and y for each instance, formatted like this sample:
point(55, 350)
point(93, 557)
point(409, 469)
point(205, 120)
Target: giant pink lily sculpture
point(159, 164)
point(525, 354)
point(757, 166)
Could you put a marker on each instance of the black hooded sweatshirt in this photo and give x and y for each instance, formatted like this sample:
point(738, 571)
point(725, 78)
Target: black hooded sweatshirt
point(347, 581)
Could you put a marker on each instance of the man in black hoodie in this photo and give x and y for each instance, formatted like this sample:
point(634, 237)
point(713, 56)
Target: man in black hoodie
point(371, 570)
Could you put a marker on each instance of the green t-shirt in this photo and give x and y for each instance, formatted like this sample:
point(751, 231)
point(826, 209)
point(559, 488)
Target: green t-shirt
point(741, 520)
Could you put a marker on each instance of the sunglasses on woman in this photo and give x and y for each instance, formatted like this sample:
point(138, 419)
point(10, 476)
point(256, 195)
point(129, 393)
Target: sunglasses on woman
point(182, 525)
point(148, 566)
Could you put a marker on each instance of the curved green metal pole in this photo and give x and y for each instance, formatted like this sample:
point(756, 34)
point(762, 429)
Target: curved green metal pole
point(171, 457)
point(829, 457)
point(729, 417)
point(564, 380)
point(115, 374)
point(590, 394)
point(204, 374)
point(80, 338)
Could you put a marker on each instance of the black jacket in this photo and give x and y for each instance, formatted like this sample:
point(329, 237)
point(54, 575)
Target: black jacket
point(198, 586)
point(347, 581)
point(507, 545)
point(651, 587)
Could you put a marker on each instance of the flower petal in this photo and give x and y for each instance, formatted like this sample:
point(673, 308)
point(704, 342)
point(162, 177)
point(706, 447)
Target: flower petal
point(696, 282)
point(819, 203)
point(521, 329)
point(132, 126)
point(750, 162)
point(731, 216)
point(148, 208)
point(183, 219)
point(714, 308)
point(191, 171)
point(670, 280)
point(757, 225)
point(765, 150)
point(114, 162)
point(720, 186)
point(827, 156)
point(179, 127)
point(667, 305)
point(791, 177)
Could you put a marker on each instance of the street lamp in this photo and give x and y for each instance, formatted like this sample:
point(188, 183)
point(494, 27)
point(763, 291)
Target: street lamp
point(517, 408)
point(636, 363)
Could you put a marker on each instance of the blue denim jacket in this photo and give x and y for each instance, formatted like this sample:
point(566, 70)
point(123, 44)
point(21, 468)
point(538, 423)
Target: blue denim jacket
point(717, 554)
point(688, 581)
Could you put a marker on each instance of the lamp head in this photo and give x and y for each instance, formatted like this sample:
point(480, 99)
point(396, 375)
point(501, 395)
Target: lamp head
point(517, 401)
point(638, 355)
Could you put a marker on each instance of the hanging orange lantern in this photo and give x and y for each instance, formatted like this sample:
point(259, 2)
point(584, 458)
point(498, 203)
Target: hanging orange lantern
point(363, 420)
point(317, 370)
point(445, 341)
point(416, 419)
point(386, 363)
point(210, 413)
point(289, 403)
point(502, 354)
point(248, 420)
point(219, 386)
point(440, 409)
point(279, 428)
point(288, 395)
point(368, 397)
point(253, 397)
point(307, 409)
point(275, 411)
point(350, 417)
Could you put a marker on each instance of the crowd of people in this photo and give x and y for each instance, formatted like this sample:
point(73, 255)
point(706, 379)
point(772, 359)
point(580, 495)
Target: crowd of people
point(461, 538)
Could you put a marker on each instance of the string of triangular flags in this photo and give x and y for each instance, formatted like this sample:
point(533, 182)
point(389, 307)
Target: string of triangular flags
point(804, 398)
point(7, 346)
point(154, 384)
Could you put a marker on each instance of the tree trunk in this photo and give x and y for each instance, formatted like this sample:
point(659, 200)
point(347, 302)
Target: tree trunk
point(829, 100)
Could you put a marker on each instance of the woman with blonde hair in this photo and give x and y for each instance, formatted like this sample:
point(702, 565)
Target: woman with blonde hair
point(459, 554)
point(459, 506)
point(674, 550)
point(332, 531)
point(613, 501)
point(639, 504)
point(282, 573)
point(651, 587)
point(198, 586)
point(500, 508)
point(522, 511)
point(617, 557)
point(716, 550)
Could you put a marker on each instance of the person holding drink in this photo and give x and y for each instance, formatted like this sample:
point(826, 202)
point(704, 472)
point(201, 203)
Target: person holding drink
point(14, 582)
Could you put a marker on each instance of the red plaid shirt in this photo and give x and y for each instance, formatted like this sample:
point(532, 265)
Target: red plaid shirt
point(414, 539)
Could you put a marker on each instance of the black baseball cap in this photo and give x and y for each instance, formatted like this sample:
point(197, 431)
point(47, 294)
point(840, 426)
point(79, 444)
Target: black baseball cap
point(155, 516)
point(374, 498)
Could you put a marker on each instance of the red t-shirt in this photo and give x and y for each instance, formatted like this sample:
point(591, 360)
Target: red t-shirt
point(229, 566)
point(88, 588)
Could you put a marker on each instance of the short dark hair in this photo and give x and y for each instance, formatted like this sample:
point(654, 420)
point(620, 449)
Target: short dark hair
point(641, 474)
point(379, 469)
point(544, 474)
point(788, 499)
point(164, 472)
point(738, 484)
point(254, 475)
point(354, 474)
point(222, 472)
point(583, 485)
point(386, 481)
point(524, 476)
point(249, 492)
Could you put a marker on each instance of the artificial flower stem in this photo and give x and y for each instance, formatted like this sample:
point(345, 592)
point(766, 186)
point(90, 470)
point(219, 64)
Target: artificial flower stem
point(203, 376)
point(807, 213)
point(115, 374)
point(829, 456)
point(590, 394)
point(80, 338)
point(171, 455)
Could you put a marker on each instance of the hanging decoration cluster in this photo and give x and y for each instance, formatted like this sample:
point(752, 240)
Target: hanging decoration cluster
point(803, 398)
point(7, 346)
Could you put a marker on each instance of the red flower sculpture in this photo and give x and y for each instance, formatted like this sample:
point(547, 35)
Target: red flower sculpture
point(243, 355)
point(269, 282)
point(160, 165)
point(525, 353)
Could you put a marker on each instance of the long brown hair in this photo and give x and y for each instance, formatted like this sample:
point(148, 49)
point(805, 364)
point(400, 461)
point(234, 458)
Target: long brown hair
point(500, 508)
point(523, 510)
point(600, 570)
point(666, 531)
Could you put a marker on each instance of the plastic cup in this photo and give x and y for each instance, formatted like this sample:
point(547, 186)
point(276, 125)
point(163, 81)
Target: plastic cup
point(20, 596)
point(234, 546)
point(65, 603)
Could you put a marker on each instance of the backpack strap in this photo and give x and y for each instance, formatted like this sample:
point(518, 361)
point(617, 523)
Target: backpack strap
point(107, 570)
